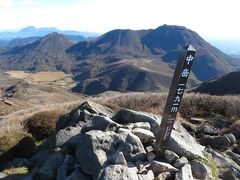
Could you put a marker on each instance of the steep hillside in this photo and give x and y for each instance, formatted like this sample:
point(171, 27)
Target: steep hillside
point(225, 85)
point(48, 53)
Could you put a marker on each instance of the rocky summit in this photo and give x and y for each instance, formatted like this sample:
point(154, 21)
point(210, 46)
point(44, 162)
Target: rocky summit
point(94, 142)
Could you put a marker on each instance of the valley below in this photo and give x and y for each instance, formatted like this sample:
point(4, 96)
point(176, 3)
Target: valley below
point(47, 132)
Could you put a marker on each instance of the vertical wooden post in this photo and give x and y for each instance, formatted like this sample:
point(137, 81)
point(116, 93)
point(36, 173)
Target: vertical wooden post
point(178, 85)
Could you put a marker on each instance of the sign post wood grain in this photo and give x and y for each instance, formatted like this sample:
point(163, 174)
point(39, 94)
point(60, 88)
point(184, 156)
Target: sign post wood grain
point(178, 85)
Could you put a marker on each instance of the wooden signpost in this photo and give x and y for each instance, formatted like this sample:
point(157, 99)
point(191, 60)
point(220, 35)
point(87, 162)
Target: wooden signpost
point(178, 85)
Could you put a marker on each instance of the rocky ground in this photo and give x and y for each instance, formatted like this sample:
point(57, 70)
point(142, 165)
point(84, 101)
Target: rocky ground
point(94, 142)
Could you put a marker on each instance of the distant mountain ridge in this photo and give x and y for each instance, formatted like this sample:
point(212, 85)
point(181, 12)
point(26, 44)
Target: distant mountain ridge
point(33, 31)
point(122, 60)
point(163, 43)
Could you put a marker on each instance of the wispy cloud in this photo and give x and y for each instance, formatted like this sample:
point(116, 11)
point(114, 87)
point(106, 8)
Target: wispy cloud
point(16, 3)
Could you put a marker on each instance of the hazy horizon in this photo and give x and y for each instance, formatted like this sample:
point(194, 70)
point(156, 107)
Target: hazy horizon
point(210, 19)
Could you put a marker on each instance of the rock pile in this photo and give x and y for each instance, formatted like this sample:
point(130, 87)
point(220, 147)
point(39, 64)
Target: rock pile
point(92, 142)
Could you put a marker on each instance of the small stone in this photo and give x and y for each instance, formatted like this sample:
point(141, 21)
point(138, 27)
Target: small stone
point(231, 137)
point(170, 156)
point(180, 162)
point(117, 172)
point(121, 130)
point(159, 167)
point(196, 120)
point(163, 176)
point(200, 170)
point(185, 173)
point(102, 123)
point(220, 142)
point(64, 135)
point(217, 142)
point(142, 125)
point(149, 149)
point(208, 129)
point(146, 136)
point(182, 143)
point(118, 158)
point(95, 108)
point(139, 165)
point(148, 175)
point(151, 156)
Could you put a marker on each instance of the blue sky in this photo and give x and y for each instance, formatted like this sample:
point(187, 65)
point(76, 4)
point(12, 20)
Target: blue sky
point(210, 18)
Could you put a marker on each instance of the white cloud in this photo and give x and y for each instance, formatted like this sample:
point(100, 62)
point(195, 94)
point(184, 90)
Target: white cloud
point(209, 18)
point(5, 3)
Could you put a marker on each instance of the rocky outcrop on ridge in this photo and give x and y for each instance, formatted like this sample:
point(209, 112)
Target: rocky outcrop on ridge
point(94, 142)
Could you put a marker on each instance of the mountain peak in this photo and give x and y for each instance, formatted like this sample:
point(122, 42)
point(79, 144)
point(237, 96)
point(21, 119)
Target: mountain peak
point(27, 29)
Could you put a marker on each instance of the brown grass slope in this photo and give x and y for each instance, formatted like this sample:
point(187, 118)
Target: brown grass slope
point(24, 95)
point(127, 75)
point(225, 85)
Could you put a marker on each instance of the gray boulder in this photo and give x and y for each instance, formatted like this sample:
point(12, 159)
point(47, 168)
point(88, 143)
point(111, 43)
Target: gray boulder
point(50, 168)
point(151, 156)
point(118, 158)
point(200, 170)
point(126, 116)
point(146, 136)
point(208, 129)
point(142, 125)
point(95, 108)
point(185, 173)
point(223, 162)
point(170, 156)
point(160, 167)
point(97, 148)
point(230, 174)
point(102, 123)
point(220, 142)
point(117, 172)
point(70, 119)
point(64, 135)
point(180, 162)
point(183, 144)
